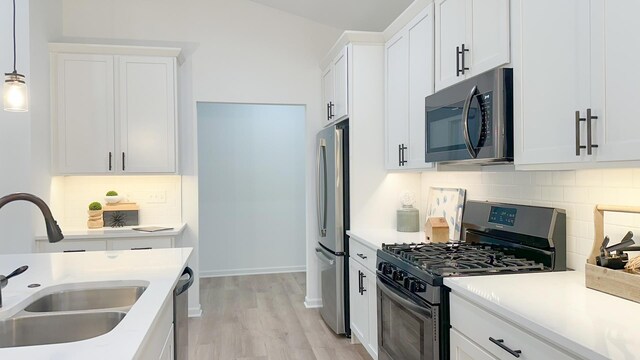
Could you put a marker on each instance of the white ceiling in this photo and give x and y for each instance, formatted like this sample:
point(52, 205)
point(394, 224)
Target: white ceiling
point(363, 15)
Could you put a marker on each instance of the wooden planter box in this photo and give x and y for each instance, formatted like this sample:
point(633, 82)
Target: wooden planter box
point(619, 283)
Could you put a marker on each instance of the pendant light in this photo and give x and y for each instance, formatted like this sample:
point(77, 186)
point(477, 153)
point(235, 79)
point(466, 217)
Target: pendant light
point(15, 88)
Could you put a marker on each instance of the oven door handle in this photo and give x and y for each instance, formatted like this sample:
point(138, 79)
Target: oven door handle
point(465, 120)
point(402, 299)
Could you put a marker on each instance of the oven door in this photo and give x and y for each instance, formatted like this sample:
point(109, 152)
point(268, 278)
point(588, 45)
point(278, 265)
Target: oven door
point(408, 328)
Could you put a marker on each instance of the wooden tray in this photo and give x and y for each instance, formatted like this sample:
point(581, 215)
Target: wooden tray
point(619, 283)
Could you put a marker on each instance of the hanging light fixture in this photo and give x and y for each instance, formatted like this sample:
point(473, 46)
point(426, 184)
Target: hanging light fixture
point(15, 88)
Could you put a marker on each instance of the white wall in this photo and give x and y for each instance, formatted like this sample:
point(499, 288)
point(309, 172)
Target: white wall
point(15, 137)
point(236, 51)
point(251, 188)
point(575, 191)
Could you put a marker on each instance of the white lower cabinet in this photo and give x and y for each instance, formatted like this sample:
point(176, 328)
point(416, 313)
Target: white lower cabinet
point(362, 297)
point(168, 348)
point(102, 244)
point(465, 349)
point(475, 328)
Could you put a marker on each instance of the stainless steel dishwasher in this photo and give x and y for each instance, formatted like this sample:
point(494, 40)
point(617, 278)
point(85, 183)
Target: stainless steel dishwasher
point(181, 315)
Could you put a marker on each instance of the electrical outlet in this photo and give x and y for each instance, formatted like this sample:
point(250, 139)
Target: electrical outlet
point(156, 197)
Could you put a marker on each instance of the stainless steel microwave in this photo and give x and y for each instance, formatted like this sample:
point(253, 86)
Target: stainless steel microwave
point(472, 121)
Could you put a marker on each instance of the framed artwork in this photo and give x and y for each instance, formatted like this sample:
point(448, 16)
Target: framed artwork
point(449, 204)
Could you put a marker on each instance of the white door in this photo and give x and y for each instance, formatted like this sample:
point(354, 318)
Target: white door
point(616, 89)
point(147, 115)
point(489, 36)
point(397, 99)
point(85, 114)
point(554, 81)
point(341, 97)
point(327, 90)
point(452, 19)
point(464, 349)
point(421, 84)
point(359, 310)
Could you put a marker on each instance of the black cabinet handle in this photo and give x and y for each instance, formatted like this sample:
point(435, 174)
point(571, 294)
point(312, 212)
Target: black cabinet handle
point(590, 144)
point(500, 343)
point(460, 57)
point(72, 251)
point(331, 105)
point(359, 282)
point(362, 289)
point(123, 161)
point(142, 248)
point(400, 155)
point(361, 256)
point(110, 158)
point(328, 112)
point(402, 149)
point(578, 120)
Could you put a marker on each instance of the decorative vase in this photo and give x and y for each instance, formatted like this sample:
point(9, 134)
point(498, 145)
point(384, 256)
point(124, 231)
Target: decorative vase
point(95, 219)
point(112, 199)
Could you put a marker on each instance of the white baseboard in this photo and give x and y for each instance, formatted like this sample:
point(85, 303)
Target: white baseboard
point(312, 303)
point(195, 311)
point(254, 271)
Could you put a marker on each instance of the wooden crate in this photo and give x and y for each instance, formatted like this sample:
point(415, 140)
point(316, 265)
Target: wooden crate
point(619, 283)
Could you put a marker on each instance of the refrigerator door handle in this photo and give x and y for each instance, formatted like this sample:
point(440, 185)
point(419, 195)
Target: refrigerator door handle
point(321, 190)
point(338, 157)
point(324, 258)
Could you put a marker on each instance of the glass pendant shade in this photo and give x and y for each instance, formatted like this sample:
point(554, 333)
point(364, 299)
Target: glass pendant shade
point(15, 93)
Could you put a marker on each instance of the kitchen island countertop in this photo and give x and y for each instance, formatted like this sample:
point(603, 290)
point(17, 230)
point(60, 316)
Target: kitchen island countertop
point(119, 232)
point(557, 307)
point(160, 268)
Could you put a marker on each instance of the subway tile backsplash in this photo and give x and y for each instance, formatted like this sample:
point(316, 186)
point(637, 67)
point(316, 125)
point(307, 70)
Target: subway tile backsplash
point(575, 191)
point(158, 196)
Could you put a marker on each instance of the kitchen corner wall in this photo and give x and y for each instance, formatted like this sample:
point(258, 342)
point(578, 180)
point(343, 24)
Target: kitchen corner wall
point(575, 191)
point(74, 193)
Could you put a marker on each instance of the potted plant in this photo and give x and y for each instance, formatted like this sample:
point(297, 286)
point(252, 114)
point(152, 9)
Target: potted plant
point(112, 197)
point(95, 216)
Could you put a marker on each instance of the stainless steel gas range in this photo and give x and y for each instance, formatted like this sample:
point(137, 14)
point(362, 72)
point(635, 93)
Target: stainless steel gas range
point(413, 304)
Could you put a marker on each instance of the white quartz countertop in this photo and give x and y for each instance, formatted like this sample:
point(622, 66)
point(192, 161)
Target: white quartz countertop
point(160, 268)
point(121, 232)
point(374, 238)
point(559, 308)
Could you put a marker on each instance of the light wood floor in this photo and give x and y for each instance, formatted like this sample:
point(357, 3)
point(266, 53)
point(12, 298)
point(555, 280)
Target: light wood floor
point(263, 317)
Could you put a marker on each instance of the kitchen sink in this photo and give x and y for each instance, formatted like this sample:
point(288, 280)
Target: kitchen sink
point(56, 328)
point(87, 299)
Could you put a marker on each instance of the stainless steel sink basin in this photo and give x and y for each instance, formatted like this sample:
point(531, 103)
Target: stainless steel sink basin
point(87, 299)
point(56, 328)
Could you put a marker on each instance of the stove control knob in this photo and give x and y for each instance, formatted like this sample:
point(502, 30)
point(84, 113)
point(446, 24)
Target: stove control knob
point(407, 282)
point(388, 269)
point(398, 275)
point(414, 285)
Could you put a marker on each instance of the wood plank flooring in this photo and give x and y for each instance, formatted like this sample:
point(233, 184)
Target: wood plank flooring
point(263, 317)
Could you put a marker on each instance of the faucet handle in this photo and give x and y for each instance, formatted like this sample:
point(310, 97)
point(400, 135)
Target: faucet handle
point(4, 280)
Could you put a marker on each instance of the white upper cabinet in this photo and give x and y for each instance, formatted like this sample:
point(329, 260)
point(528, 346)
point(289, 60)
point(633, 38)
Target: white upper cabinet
point(552, 88)
point(147, 114)
point(471, 37)
point(335, 87)
point(409, 79)
point(615, 79)
point(113, 113)
point(577, 107)
point(85, 104)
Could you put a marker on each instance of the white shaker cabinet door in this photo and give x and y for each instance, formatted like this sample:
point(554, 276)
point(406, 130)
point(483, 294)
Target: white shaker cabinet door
point(359, 313)
point(84, 116)
point(452, 22)
point(327, 92)
point(341, 94)
point(397, 100)
point(147, 103)
point(371, 292)
point(421, 85)
point(554, 81)
point(490, 36)
point(616, 89)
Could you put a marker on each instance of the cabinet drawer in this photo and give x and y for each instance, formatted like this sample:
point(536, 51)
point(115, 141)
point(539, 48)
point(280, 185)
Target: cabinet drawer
point(140, 244)
point(480, 326)
point(362, 254)
point(71, 246)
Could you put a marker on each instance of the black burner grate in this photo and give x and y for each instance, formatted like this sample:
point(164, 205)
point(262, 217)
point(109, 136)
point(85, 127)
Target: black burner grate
point(460, 258)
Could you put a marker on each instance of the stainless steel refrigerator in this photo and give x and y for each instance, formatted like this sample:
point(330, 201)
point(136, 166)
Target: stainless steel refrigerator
point(332, 195)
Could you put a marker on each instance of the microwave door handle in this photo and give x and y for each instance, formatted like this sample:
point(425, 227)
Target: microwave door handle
point(321, 190)
point(465, 120)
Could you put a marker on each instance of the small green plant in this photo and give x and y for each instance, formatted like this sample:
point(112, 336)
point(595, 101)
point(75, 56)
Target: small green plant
point(95, 206)
point(112, 193)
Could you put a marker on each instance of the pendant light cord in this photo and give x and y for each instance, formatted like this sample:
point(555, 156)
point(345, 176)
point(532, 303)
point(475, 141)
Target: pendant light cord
point(14, 36)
